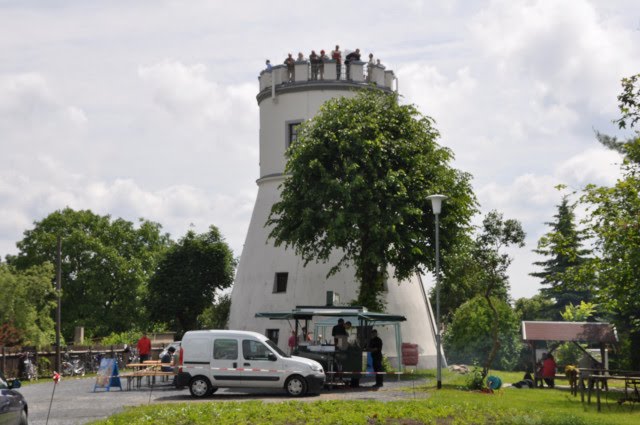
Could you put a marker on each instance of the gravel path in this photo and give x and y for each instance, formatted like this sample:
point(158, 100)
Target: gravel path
point(75, 402)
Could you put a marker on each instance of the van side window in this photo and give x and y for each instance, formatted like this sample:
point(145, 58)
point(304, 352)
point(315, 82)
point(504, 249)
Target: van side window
point(254, 350)
point(225, 349)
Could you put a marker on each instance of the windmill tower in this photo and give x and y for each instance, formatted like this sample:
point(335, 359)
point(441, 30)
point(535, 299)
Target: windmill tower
point(271, 279)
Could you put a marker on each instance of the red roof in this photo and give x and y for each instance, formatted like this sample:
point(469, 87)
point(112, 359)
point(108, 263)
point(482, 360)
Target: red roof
point(569, 331)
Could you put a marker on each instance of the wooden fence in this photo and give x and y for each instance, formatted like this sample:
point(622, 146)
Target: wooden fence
point(45, 358)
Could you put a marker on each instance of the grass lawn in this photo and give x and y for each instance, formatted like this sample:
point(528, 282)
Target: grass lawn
point(448, 406)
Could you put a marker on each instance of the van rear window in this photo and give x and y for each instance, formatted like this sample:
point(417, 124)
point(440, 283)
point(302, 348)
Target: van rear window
point(225, 349)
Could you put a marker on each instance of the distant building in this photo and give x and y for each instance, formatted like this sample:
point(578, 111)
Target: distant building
point(274, 279)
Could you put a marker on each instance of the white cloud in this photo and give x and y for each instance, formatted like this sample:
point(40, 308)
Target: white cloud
point(185, 92)
point(92, 115)
point(29, 108)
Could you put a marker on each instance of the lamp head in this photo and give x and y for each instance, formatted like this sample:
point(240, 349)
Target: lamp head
point(436, 202)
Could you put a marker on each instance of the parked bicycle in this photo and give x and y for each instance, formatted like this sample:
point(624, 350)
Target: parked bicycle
point(72, 365)
point(94, 362)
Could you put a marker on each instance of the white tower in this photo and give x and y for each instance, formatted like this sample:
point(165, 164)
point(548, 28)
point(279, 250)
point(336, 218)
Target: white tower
point(271, 279)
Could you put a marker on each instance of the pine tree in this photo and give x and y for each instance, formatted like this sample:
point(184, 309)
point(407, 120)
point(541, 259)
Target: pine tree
point(563, 246)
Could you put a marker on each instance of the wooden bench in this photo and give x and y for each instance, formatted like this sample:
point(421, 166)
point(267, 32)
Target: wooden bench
point(139, 374)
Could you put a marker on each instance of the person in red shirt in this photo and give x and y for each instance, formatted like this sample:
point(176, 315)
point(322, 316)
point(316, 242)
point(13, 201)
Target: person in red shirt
point(549, 370)
point(292, 342)
point(144, 347)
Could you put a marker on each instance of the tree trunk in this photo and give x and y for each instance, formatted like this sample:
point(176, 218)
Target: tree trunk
point(494, 337)
point(370, 286)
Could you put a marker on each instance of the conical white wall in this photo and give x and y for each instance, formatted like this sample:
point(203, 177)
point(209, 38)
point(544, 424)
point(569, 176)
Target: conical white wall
point(255, 289)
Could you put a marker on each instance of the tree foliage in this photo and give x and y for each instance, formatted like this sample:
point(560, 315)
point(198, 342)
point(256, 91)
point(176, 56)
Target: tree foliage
point(629, 102)
point(359, 175)
point(578, 313)
point(105, 266)
point(537, 307)
point(216, 316)
point(187, 278)
point(468, 339)
point(563, 247)
point(26, 303)
point(614, 226)
point(493, 262)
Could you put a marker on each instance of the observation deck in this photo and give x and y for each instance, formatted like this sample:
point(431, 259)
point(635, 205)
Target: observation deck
point(323, 76)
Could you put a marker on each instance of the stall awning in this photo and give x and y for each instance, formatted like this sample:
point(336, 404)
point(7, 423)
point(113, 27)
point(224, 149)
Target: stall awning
point(308, 313)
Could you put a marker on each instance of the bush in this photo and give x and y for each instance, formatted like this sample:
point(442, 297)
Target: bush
point(468, 338)
point(475, 380)
point(44, 366)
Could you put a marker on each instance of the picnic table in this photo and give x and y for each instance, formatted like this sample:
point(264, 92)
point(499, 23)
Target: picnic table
point(599, 383)
point(150, 369)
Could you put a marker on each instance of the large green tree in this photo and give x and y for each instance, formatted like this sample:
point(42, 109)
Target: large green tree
point(358, 179)
point(106, 264)
point(187, 278)
point(563, 247)
point(614, 225)
point(27, 299)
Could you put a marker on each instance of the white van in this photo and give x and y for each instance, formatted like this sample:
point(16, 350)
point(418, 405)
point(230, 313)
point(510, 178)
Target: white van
point(213, 359)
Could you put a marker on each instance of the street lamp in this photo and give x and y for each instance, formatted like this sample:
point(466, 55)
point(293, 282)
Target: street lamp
point(436, 203)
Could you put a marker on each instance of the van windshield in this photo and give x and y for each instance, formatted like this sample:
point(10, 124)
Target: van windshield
point(275, 348)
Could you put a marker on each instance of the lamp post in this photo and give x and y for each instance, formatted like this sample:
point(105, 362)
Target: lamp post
point(436, 203)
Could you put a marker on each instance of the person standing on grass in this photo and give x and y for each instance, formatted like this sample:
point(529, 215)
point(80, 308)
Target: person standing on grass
point(549, 370)
point(144, 348)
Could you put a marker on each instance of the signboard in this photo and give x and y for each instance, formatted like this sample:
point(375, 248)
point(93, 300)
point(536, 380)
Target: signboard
point(107, 375)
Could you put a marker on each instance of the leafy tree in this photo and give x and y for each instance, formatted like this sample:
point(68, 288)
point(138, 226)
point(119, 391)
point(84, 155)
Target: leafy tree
point(563, 247)
point(578, 313)
point(614, 226)
point(105, 266)
point(493, 262)
point(468, 339)
point(537, 307)
point(359, 176)
point(569, 352)
point(26, 304)
point(461, 278)
point(216, 316)
point(187, 278)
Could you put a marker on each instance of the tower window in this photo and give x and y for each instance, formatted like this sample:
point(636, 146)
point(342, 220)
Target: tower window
point(273, 335)
point(280, 284)
point(292, 131)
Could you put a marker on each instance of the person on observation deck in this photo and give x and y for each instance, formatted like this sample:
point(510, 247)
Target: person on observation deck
point(291, 70)
point(336, 55)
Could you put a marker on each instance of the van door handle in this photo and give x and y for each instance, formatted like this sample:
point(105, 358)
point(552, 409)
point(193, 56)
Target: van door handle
point(247, 364)
point(235, 365)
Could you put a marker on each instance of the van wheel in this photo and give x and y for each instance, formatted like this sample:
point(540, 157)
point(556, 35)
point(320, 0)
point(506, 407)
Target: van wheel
point(23, 418)
point(296, 386)
point(200, 387)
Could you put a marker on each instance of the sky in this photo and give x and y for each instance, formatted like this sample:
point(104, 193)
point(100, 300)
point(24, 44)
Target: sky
point(148, 108)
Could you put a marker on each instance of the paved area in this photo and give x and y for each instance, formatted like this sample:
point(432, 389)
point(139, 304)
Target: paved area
point(74, 401)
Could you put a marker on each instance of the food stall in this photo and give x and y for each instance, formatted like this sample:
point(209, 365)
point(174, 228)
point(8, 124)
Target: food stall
point(341, 357)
